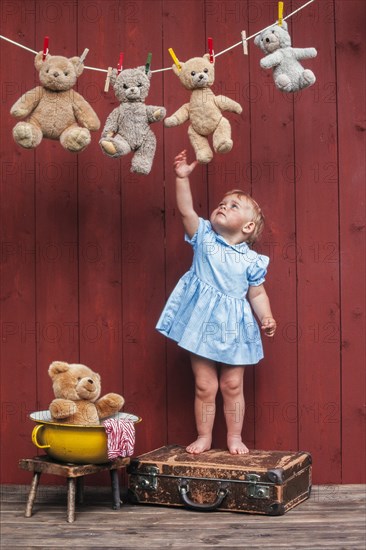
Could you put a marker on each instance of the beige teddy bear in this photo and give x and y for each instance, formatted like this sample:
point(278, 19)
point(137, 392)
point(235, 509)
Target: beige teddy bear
point(204, 110)
point(54, 110)
point(77, 389)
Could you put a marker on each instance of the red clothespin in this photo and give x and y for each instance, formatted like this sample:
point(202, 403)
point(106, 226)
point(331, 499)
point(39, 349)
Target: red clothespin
point(120, 63)
point(45, 47)
point(210, 50)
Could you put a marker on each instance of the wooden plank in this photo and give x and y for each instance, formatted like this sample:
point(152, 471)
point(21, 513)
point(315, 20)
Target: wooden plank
point(65, 216)
point(349, 19)
point(224, 23)
point(317, 227)
point(142, 232)
point(332, 518)
point(56, 226)
point(99, 209)
point(19, 252)
point(180, 387)
point(271, 173)
point(143, 244)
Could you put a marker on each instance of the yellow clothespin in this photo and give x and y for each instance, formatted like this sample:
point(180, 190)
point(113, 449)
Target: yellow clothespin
point(175, 59)
point(108, 79)
point(280, 13)
point(245, 43)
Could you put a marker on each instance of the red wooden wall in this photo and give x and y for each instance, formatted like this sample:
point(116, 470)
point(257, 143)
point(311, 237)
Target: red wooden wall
point(90, 251)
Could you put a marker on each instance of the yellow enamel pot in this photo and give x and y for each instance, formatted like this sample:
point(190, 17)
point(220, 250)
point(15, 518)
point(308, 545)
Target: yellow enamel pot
point(72, 443)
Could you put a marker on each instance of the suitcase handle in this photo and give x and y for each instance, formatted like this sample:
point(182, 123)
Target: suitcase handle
point(183, 488)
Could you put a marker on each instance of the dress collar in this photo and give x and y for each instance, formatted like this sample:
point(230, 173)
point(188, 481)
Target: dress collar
point(243, 248)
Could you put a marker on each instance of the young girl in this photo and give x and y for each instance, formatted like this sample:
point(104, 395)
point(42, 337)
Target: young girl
point(208, 312)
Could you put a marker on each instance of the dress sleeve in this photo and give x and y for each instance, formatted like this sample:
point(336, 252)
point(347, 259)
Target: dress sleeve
point(201, 230)
point(258, 270)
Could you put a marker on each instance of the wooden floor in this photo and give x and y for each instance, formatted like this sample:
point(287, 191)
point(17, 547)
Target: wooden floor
point(334, 517)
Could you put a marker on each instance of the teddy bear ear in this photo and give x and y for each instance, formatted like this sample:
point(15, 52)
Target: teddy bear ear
point(114, 75)
point(78, 65)
point(38, 60)
point(143, 70)
point(175, 68)
point(57, 367)
point(284, 25)
point(257, 40)
point(207, 57)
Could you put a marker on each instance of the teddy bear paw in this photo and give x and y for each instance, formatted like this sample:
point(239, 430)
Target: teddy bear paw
point(224, 146)
point(171, 121)
point(307, 78)
point(141, 166)
point(159, 114)
point(18, 112)
point(284, 83)
point(204, 156)
point(108, 147)
point(75, 139)
point(27, 135)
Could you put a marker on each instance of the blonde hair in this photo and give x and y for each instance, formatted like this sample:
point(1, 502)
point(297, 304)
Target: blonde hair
point(258, 216)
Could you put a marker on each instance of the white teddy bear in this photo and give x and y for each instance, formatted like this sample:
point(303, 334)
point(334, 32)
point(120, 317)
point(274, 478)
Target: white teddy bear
point(289, 75)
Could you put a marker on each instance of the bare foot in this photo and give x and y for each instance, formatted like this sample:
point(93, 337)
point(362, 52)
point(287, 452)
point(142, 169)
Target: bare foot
point(236, 446)
point(202, 443)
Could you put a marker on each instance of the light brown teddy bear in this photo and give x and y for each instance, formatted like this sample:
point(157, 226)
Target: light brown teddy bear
point(77, 389)
point(204, 110)
point(54, 110)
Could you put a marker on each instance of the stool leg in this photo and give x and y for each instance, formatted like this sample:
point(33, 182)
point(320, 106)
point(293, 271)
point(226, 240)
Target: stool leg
point(71, 491)
point(115, 490)
point(32, 494)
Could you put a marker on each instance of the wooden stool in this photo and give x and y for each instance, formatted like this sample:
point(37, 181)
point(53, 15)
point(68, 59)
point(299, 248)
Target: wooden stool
point(74, 474)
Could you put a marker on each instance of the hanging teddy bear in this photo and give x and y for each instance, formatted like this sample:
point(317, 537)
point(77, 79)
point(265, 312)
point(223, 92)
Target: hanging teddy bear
point(54, 110)
point(204, 110)
point(288, 74)
point(127, 128)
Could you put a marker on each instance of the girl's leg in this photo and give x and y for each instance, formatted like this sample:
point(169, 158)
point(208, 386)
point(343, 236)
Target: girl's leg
point(206, 386)
point(232, 389)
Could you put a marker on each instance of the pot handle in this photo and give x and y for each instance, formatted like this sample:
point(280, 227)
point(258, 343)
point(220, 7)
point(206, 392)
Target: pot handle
point(34, 437)
point(183, 488)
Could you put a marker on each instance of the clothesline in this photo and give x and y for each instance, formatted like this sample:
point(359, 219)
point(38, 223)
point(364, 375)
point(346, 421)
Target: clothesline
point(169, 68)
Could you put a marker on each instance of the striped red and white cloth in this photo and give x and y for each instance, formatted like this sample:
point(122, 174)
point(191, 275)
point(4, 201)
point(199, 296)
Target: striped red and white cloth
point(120, 436)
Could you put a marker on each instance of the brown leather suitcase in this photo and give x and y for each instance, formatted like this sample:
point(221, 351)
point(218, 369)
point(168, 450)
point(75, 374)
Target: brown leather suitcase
point(261, 482)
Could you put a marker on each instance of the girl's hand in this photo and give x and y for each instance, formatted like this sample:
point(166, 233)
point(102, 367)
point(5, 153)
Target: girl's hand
point(182, 169)
point(269, 326)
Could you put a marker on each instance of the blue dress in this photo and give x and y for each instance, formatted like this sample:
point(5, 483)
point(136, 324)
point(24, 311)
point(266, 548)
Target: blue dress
point(208, 313)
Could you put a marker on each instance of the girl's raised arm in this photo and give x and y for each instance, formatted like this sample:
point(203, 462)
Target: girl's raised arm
point(183, 193)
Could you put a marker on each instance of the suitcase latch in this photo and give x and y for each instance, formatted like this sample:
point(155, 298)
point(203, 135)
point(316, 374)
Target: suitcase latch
point(148, 481)
point(255, 489)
